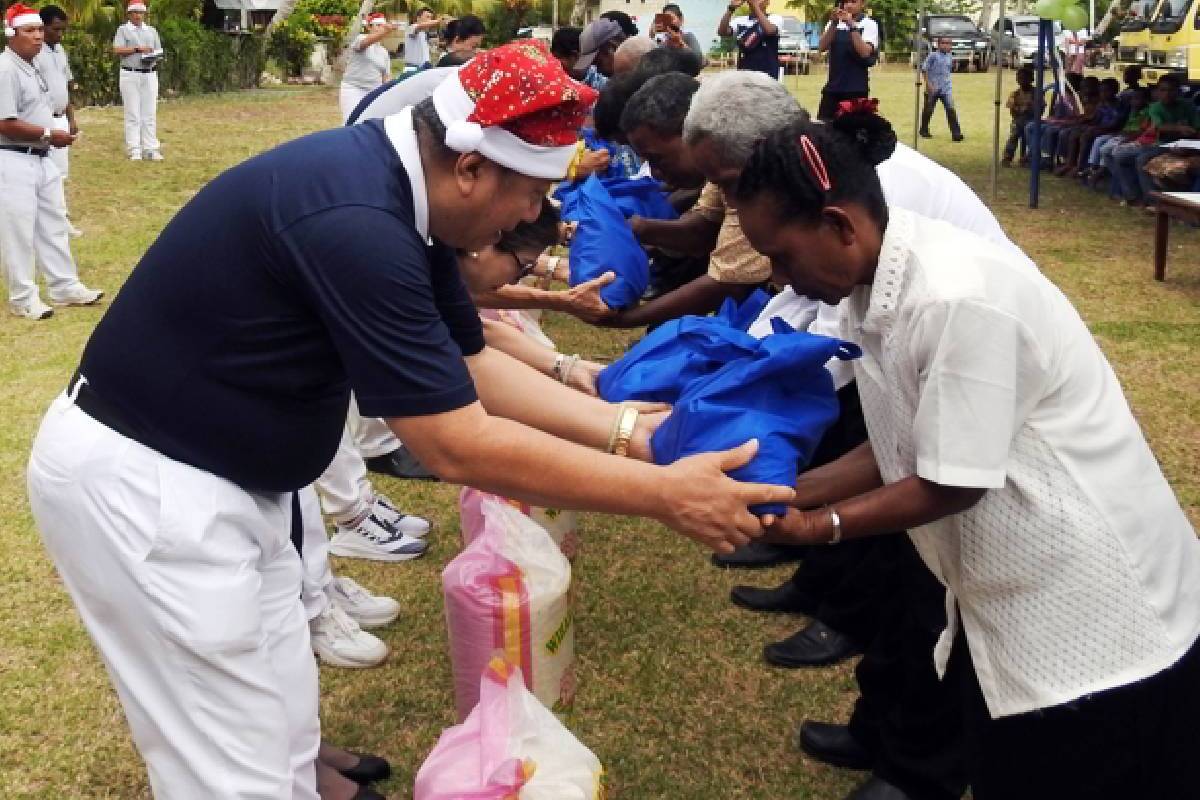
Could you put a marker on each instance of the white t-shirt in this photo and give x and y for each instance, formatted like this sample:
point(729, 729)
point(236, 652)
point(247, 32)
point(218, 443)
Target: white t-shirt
point(737, 23)
point(869, 27)
point(367, 67)
point(416, 48)
point(911, 181)
point(1077, 571)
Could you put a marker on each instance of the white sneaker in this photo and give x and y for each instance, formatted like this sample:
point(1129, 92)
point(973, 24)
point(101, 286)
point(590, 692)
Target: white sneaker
point(408, 524)
point(375, 541)
point(34, 309)
point(153, 155)
point(368, 610)
point(135, 156)
point(339, 642)
point(78, 295)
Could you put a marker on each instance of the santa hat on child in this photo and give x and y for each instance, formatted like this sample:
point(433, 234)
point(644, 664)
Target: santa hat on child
point(135, 5)
point(516, 106)
point(378, 18)
point(19, 16)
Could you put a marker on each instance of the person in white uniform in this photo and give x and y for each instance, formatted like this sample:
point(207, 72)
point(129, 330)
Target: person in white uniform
point(369, 65)
point(416, 39)
point(138, 46)
point(1001, 440)
point(56, 68)
point(33, 220)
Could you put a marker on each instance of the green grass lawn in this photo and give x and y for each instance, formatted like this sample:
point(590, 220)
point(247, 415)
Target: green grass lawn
point(674, 697)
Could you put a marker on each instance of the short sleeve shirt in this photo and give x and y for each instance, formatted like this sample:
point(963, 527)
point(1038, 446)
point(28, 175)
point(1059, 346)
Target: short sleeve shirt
point(1182, 112)
point(416, 48)
point(848, 72)
point(283, 284)
point(369, 67)
point(1077, 571)
point(56, 69)
point(756, 51)
point(733, 260)
point(130, 35)
point(24, 94)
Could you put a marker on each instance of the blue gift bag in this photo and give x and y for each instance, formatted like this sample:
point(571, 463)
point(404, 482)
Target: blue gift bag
point(781, 394)
point(603, 242)
point(642, 197)
point(742, 316)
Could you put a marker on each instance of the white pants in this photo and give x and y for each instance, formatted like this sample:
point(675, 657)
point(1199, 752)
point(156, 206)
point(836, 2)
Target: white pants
point(190, 589)
point(317, 572)
point(61, 155)
point(372, 436)
point(139, 95)
point(33, 227)
point(345, 491)
point(348, 99)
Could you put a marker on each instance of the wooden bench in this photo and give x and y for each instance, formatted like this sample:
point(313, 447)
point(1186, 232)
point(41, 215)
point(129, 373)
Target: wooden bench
point(1184, 206)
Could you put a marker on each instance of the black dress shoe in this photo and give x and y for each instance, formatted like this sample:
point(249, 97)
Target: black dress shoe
point(833, 745)
point(400, 463)
point(367, 793)
point(818, 645)
point(757, 555)
point(782, 599)
point(369, 769)
point(875, 788)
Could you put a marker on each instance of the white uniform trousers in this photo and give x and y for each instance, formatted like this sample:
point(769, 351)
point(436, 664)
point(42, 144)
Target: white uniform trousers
point(346, 493)
point(139, 96)
point(33, 227)
point(348, 99)
point(372, 436)
point(190, 588)
point(61, 155)
point(317, 572)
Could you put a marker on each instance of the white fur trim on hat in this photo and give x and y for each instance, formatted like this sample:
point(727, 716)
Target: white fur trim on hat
point(377, 19)
point(21, 21)
point(454, 105)
point(135, 7)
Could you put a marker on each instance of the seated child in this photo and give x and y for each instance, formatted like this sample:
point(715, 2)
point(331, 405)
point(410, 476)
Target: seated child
point(1022, 106)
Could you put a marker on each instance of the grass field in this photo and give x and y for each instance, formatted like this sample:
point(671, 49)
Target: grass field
point(674, 697)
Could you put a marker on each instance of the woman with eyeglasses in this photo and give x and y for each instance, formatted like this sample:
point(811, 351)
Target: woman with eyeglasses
point(1001, 440)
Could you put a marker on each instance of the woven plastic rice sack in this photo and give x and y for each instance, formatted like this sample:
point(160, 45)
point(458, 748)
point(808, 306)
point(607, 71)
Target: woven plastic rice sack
point(509, 748)
point(781, 394)
point(561, 525)
point(508, 592)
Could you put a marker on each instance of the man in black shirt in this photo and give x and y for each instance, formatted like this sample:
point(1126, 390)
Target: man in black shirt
point(163, 480)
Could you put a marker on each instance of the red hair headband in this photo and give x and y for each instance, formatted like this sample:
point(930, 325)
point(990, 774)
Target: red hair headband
point(859, 105)
point(816, 164)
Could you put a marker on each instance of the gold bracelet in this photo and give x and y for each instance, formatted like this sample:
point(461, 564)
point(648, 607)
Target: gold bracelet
point(626, 422)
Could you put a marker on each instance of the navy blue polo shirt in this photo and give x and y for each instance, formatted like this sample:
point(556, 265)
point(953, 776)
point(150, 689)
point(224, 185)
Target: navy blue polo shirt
point(282, 285)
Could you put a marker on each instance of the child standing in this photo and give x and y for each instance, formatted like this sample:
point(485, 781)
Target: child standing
point(937, 69)
point(1022, 106)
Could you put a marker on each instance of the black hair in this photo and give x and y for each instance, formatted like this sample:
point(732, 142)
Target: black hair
point(1169, 78)
point(661, 60)
point(1144, 93)
point(426, 120)
point(628, 27)
point(850, 147)
point(51, 13)
point(660, 105)
point(565, 42)
point(673, 8)
point(464, 27)
point(1132, 73)
point(536, 235)
point(1111, 83)
point(456, 58)
point(1027, 70)
point(421, 11)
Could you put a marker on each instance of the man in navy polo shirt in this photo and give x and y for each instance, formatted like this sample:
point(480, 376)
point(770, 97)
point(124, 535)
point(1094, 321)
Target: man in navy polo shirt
point(164, 479)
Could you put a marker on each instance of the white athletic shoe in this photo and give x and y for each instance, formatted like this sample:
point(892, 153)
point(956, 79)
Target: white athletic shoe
point(78, 295)
point(135, 156)
point(339, 642)
point(368, 610)
point(153, 155)
point(408, 524)
point(375, 540)
point(34, 309)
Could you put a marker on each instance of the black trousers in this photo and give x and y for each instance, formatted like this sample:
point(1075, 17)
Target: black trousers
point(905, 715)
point(830, 100)
point(1135, 742)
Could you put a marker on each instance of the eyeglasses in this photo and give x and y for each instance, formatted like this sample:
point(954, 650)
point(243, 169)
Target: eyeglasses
point(523, 269)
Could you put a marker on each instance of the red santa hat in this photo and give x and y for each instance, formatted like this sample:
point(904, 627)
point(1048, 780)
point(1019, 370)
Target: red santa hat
point(516, 106)
point(18, 16)
point(135, 5)
point(378, 18)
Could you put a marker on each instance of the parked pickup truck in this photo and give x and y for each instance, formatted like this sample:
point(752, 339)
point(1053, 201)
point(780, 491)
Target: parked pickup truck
point(970, 47)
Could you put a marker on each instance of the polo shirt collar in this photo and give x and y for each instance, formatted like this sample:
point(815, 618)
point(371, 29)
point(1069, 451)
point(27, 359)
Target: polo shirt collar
point(403, 136)
point(890, 272)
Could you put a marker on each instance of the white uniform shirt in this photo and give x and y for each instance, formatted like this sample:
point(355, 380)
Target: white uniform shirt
point(416, 48)
point(56, 69)
point(130, 35)
point(1077, 571)
point(917, 183)
point(369, 67)
point(737, 23)
point(24, 95)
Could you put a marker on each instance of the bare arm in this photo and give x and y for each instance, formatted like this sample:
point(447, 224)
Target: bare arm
point(691, 234)
point(862, 47)
point(701, 296)
point(768, 28)
point(723, 27)
point(582, 301)
point(828, 35)
point(507, 339)
point(378, 34)
point(853, 474)
point(23, 131)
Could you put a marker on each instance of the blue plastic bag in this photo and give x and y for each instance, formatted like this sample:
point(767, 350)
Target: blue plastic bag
point(642, 197)
point(672, 356)
point(781, 395)
point(603, 242)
